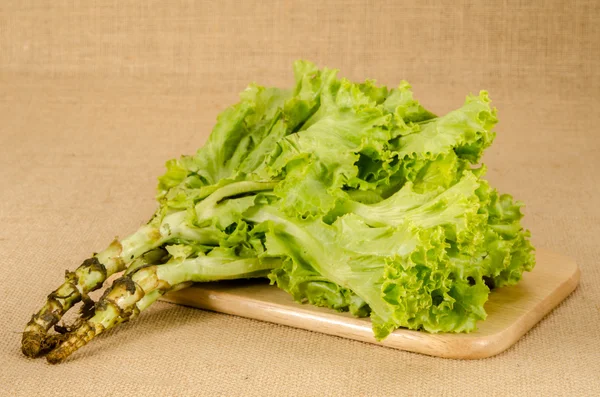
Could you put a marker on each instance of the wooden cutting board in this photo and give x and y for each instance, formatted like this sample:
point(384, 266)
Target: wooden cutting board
point(512, 311)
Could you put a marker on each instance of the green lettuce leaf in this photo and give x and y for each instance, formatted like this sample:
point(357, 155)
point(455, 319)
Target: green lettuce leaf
point(349, 196)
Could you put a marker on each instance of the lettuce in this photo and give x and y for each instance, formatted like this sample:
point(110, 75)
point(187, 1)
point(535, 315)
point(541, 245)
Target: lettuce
point(349, 196)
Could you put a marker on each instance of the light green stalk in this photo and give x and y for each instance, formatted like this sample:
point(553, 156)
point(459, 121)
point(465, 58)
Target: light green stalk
point(136, 291)
point(89, 276)
point(115, 258)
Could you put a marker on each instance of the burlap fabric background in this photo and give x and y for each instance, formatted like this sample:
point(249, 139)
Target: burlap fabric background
point(96, 96)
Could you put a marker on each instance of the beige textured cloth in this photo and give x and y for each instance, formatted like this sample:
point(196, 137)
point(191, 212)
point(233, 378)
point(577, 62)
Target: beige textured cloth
point(96, 96)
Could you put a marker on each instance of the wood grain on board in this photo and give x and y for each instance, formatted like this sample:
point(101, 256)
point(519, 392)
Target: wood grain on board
point(512, 311)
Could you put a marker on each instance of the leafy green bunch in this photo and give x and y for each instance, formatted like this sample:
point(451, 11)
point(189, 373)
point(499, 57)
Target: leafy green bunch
point(346, 195)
